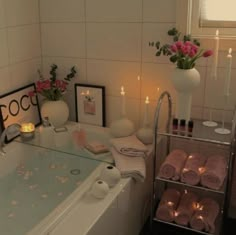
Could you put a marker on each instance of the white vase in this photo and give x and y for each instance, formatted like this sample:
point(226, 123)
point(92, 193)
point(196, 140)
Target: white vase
point(99, 189)
point(111, 175)
point(185, 82)
point(122, 127)
point(57, 111)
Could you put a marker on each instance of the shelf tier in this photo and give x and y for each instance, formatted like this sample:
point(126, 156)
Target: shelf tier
point(221, 191)
point(180, 226)
point(201, 133)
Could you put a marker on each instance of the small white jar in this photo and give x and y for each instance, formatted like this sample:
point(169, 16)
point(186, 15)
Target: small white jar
point(99, 189)
point(111, 175)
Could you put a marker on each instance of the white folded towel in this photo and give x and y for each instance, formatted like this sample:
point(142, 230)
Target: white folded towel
point(130, 146)
point(134, 167)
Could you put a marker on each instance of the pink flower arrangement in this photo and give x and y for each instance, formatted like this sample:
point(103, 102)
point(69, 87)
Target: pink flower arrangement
point(184, 52)
point(53, 88)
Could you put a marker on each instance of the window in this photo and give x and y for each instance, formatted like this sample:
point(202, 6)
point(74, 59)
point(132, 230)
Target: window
point(205, 16)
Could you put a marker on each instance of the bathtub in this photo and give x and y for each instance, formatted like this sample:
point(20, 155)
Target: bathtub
point(46, 190)
point(39, 186)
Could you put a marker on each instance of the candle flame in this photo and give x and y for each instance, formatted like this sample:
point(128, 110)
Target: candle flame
point(230, 51)
point(176, 214)
point(147, 100)
point(217, 32)
point(138, 78)
point(122, 91)
point(170, 203)
point(185, 191)
point(190, 157)
point(201, 169)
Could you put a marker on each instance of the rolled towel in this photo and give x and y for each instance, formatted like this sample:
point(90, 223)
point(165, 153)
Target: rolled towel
point(191, 173)
point(168, 205)
point(204, 217)
point(215, 172)
point(172, 166)
point(130, 146)
point(186, 208)
point(134, 167)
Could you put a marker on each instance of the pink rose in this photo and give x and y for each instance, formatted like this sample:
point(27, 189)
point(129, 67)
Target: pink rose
point(207, 53)
point(179, 44)
point(173, 48)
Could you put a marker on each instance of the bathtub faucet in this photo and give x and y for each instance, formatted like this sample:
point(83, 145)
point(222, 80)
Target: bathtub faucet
point(12, 129)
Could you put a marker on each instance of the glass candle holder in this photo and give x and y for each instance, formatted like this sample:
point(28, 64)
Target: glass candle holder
point(27, 131)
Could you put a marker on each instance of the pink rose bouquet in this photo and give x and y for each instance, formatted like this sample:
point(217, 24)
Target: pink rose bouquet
point(53, 88)
point(184, 52)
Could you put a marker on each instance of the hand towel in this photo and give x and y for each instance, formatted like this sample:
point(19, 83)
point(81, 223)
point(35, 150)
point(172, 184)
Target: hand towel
point(215, 172)
point(130, 146)
point(172, 166)
point(168, 204)
point(205, 216)
point(186, 208)
point(134, 167)
point(194, 167)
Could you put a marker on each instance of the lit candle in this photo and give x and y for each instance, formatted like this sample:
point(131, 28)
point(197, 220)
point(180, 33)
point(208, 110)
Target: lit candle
point(228, 76)
point(27, 130)
point(215, 58)
point(145, 121)
point(123, 112)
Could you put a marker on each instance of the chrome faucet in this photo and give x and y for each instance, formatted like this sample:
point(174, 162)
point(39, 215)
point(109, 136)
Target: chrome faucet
point(12, 129)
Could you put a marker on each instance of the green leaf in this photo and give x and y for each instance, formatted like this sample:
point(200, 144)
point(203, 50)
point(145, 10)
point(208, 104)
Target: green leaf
point(157, 45)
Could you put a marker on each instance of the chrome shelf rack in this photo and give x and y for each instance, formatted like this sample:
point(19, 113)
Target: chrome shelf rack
point(201, 134)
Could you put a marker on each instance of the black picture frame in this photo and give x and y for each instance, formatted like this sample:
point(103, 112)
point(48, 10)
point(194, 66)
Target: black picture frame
point(90, 104)
point(19, 107)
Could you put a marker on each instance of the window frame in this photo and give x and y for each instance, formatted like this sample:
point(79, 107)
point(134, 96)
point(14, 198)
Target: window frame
point(186, 22)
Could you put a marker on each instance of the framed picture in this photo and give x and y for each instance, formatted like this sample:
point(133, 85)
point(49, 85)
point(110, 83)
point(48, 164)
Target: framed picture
point(19, 107)
point(90, 104)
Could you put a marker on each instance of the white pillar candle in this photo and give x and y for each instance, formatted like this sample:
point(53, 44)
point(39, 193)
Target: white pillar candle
point(215, 57)
point(228, 75)
point(145, 121)
point(123, 112)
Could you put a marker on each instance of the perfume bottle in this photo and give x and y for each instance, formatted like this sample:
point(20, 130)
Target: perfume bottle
point(182, 127)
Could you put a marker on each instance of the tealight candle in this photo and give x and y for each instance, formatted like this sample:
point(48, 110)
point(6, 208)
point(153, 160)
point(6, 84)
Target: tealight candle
point(27, 130)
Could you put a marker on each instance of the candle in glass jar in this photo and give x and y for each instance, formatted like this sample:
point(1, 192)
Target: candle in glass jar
point(27, 130)
point(123, 112)
point(228, 75)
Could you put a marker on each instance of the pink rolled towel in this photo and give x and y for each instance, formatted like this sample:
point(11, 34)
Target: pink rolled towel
point(215, 172)
point(172, 166)
point(186, 208)
point(168, 205)
point(191, 173)
point(205, 216)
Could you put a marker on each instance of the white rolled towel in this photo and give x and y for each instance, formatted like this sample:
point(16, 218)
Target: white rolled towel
point(134, 167)
point(130, 146)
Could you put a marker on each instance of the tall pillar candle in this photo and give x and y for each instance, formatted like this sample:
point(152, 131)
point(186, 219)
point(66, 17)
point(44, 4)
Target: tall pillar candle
point(228, 75)
point(123, 111)
point(215, 57)
point(145, 120)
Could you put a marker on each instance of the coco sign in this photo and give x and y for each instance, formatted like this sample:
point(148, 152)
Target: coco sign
point(18, 106)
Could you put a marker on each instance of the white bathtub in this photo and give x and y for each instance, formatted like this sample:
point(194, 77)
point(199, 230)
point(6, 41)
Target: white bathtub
point(37, 187)
point(123, 211)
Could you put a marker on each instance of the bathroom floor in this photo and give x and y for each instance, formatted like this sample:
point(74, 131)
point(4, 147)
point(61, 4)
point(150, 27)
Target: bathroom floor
point(169, 230)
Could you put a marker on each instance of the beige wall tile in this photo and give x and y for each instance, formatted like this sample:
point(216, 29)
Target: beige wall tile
point(63, 39)
point(62, 11)
point(114, 11)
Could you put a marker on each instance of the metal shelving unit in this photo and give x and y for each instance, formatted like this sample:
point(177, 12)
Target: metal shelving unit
point(200, 134)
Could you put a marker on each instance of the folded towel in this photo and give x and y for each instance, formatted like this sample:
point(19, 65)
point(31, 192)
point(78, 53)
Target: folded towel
point(215, 172)
point(172, 166)
point(134, 167)
point(186, 208)
point(130, 146)
point(205, 215)
point(168, 205)
point(191, 173)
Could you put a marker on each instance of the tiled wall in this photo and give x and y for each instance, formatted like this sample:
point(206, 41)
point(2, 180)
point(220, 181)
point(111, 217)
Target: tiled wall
point(107, 40)
point(20, 50)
